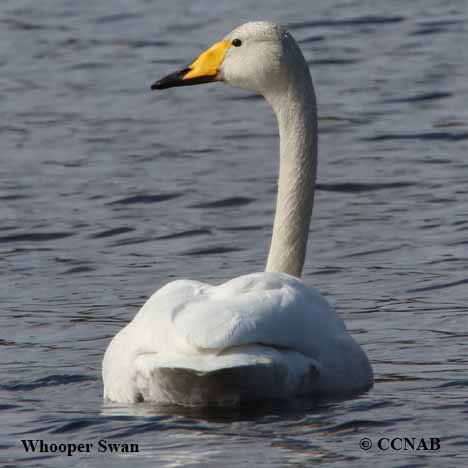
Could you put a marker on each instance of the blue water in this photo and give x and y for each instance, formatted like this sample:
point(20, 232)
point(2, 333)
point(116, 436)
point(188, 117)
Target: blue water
point(108, 191)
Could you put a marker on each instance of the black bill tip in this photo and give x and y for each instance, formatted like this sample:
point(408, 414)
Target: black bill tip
point(177, 79)
point(169, 81)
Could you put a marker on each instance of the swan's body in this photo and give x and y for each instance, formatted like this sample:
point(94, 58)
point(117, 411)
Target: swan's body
point(263, 335)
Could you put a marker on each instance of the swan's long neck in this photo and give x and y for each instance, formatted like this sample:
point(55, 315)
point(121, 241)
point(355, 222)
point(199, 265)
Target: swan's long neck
point(295, 108)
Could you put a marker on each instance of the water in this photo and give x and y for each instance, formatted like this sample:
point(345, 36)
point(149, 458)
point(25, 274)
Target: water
point(108, 191)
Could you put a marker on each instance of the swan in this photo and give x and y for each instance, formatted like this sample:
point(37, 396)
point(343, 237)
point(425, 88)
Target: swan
point(264, 335)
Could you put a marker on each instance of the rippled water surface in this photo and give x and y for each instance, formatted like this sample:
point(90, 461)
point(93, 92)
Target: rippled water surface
point(108, 191)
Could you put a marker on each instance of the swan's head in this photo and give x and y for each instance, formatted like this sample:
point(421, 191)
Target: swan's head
point(257, 56)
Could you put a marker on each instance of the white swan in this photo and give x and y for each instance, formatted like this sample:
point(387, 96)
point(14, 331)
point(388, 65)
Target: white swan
point(263, 335)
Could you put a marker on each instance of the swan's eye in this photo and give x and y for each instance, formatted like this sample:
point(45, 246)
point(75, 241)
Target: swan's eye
point(236, 42)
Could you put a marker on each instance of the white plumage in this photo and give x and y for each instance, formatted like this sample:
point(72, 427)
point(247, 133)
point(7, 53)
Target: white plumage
point(263, 335)
point(271, 322)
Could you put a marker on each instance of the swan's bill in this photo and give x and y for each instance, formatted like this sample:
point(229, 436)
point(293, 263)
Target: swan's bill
point(205, 69)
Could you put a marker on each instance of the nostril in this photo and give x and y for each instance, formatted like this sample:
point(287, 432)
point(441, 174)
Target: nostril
point(183, 72)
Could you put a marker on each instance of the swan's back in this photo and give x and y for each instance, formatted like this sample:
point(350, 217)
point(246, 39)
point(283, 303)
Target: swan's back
point(259, 336)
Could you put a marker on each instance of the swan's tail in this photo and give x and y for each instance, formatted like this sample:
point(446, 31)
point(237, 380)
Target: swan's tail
point(244, 374)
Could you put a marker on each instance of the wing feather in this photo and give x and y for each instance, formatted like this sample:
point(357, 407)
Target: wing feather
point(288, 316)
